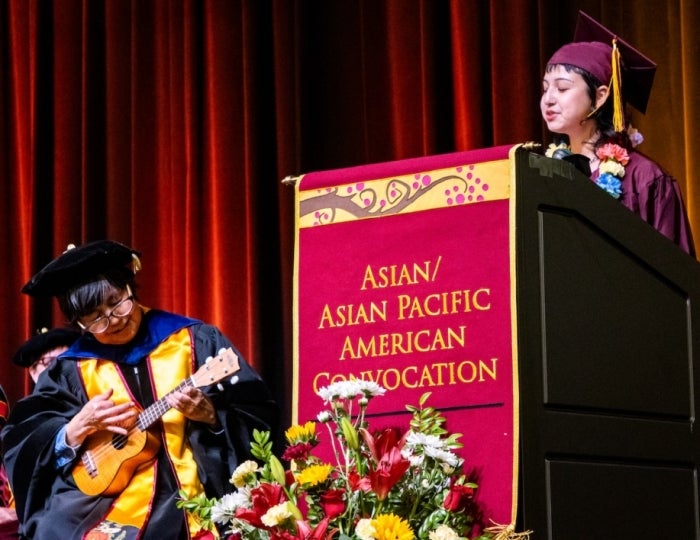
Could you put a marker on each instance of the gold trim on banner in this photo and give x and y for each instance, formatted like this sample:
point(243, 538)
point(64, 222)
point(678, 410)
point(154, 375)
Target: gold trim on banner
point(506, 533)
point(428, 190)
point(295, 310)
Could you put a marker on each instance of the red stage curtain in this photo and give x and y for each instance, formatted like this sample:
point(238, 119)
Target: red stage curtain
point(168, 125)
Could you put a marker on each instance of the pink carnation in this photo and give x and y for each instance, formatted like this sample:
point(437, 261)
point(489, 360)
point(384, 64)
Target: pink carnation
point(613, 151)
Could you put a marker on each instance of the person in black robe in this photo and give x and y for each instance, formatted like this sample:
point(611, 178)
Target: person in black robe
point(131, 414)
point(35, 354)
point(43, 348)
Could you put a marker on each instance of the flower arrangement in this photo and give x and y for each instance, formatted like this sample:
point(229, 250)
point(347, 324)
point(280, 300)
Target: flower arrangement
point(389, 484)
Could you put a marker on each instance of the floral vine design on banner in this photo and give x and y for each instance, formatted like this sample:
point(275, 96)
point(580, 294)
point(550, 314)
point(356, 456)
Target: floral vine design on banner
point(391, 484)
point(470, 183)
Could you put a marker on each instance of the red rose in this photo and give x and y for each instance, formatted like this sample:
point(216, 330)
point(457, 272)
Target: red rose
point(458, 498)
point(333, 502)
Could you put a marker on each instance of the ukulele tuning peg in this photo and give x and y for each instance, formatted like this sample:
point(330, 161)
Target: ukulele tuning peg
point(234, 379)
point(209, 359)
point(220, 387)
point(222, 350)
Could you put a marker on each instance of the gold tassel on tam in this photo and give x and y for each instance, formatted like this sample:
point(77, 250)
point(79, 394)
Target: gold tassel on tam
point(507, 532)
point(616, 84)
point(135, 263)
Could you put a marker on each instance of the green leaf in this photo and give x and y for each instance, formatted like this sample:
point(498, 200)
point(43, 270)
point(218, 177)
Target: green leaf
point(261, 446)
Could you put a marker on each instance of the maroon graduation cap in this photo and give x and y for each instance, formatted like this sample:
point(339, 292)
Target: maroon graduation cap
point(592, 49)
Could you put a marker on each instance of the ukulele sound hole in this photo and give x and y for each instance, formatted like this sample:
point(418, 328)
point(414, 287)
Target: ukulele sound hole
point(118, 441)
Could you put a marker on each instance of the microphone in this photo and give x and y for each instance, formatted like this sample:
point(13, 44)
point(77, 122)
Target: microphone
point(562, 153)
point(581, 162)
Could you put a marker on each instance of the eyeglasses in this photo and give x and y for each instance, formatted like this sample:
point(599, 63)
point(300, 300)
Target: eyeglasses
point(123, 308)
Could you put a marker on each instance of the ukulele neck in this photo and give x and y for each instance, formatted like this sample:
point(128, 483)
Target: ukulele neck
point(160, 407)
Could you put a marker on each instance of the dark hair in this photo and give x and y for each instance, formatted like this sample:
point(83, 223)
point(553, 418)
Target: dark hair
point(86, 298)
point(603, 116)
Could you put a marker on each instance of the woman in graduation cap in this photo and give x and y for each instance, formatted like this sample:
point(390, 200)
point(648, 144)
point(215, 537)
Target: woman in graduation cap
point(131, 414)
point(585, 87)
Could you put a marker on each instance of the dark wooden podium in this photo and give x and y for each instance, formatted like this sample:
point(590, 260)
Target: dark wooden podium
point(608, 344)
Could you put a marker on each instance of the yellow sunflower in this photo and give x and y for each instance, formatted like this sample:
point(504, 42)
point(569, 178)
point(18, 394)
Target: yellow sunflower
point(314, 475)
point(300, 434)
point(392, 527)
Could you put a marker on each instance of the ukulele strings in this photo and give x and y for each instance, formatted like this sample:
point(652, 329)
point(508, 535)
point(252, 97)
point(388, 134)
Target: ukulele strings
point(162, 406)
point(150, 414)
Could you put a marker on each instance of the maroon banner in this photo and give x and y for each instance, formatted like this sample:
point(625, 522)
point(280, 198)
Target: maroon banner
point(403, 277)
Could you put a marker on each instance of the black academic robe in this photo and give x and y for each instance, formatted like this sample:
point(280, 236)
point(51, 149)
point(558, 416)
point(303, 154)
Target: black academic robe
point(49, 504)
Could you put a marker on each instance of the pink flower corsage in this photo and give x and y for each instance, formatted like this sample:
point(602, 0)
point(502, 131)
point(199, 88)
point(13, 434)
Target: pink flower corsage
point(613, 151)
point(613, 159)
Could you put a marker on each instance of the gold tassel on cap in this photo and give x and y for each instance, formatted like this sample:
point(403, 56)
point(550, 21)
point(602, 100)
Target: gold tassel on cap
point(135, 263)
point(616, 84)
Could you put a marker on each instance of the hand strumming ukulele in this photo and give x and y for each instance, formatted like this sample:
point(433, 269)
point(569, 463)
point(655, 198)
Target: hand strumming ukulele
point(108, 460)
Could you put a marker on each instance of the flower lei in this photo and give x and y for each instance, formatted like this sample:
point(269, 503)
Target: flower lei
point(613, 159)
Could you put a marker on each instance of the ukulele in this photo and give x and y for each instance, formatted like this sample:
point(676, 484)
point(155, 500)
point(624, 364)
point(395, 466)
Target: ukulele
point(108, 460)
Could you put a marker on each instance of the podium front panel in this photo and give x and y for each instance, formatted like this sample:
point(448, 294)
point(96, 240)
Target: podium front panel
point(608, 325)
